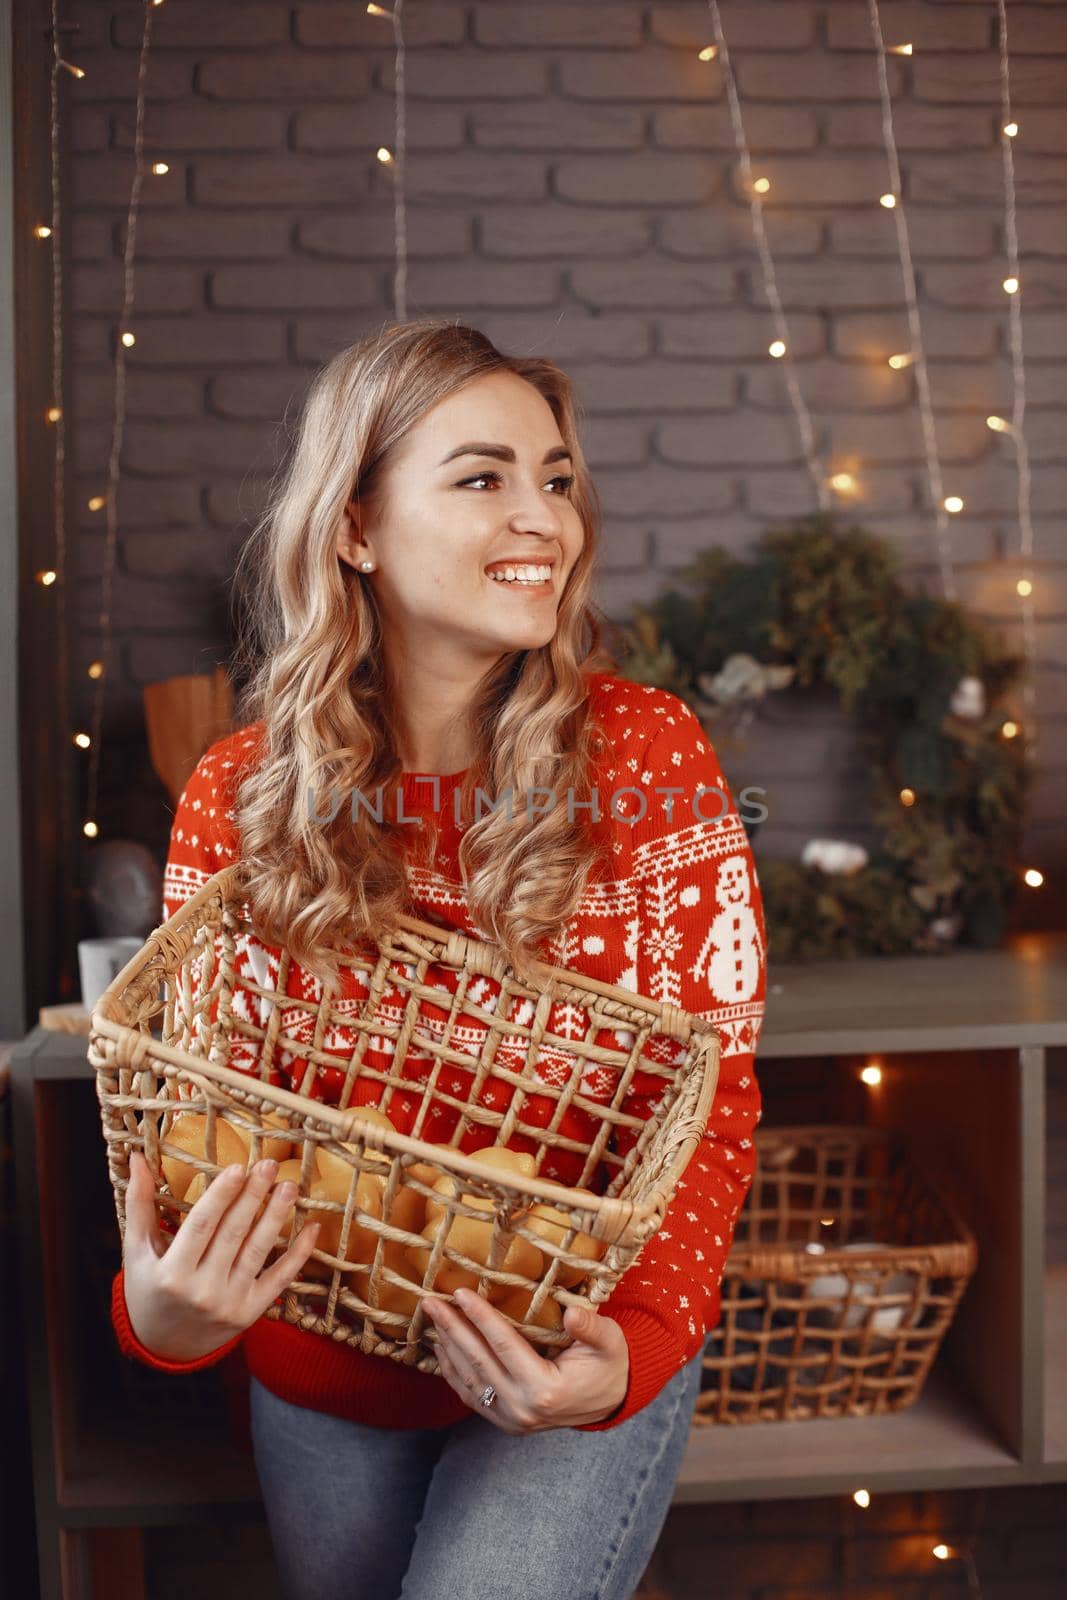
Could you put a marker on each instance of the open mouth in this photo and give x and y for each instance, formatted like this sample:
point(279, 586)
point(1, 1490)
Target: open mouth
point(526, 580)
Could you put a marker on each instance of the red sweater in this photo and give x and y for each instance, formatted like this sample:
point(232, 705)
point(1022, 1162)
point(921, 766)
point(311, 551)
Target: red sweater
point(680, 919)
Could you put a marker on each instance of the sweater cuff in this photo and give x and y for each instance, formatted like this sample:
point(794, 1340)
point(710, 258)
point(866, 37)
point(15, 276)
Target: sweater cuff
point(654, 1359)
point(131, 1346)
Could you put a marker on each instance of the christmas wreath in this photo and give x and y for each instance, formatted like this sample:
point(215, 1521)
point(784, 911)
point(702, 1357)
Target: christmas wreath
point(931, 688)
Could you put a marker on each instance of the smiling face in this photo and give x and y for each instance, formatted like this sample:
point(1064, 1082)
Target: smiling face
point(446, 515)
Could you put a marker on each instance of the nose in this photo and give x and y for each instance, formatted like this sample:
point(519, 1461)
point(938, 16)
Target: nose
point(534, 512)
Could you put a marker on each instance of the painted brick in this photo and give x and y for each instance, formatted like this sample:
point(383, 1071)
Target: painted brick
point(964, 79)
point(110, 75)
point(467, 74)
point(282, 180)
point(971, 335)
point(1044, 335)
point(285, 77)
point(653, 75)
point(477, 175)
point(258, 394)
point(812, 285)
point(91, 238)
point(1042, 233)
point(915, 127)
point(562, 232)
point(556, 125)
point(827, 385)
point(153, 659)
point(614, 441)
point(369, 235)
point(960, 438)
point(476, 284)
point(364, 127)
point(99, 288)
point(727, 231)
point(207, 340)
point(143, 503)
point(813, 76)
point(297, 286)
point(194, 557)
point(643, 282)
point(571, 334)
point(203, 25)
point(768, 128)
point(554, 27)
point(90, 128)
point(200, 126)
point(775, 492)
point(236, 503)
point(104, 180)
point(932, 231)
point(735, 440)
point(648, 179)
point(148, 394)
point(212, 445)
point(644, 491)
point(316, 340)
point(680, 386)
point(331, 27)
point(966, 179)
point(207, 236)
point(742, 335)
point(819, 180)
point(1044, 284)
point(954, 28)
point(744, 26)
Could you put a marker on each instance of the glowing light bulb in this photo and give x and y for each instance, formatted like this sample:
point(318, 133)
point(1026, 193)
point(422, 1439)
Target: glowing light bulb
point(1011, 285)
point(1011, 129)
point(871, 1074)
point(941, 1551)
point(776, 349)
point(842, 482)
point(95, 669)
point(998, 424)
point(953, 503)
point(1009, 729)
point(887, 200)
point(74, 71)
point(907, 797)
point(378, 11)
point(761, 185)
point(47, 577)
point(709, 52)
point(82, 740)
point(97, 503)
point(1024, 587)
point(53, 414)
point(90, 829)
point(129, 339)
point(900, 49)
point(159, 168)
point(903, 359)
point(1033, 878)
point(862, 1498)
point(384, 155)
point(826, 1222)
point(42, 231)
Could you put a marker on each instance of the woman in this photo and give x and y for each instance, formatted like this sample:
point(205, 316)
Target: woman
point(425, 624)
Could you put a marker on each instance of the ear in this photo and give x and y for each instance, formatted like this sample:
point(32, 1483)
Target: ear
point(349, 543)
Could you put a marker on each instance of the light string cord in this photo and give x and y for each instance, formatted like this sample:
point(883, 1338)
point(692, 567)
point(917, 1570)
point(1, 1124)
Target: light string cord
point(770, 282)
point(926, 411)
point(1015, 432)
point(400, 275)
point(119, 416)
point(59, 512)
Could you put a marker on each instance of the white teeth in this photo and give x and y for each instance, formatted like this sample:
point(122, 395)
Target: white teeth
point(522, 574)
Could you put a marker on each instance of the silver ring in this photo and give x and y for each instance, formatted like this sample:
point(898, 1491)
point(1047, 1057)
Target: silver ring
point(488, 1395)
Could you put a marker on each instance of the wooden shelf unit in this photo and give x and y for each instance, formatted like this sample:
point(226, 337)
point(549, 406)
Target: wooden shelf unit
point(961, 1040)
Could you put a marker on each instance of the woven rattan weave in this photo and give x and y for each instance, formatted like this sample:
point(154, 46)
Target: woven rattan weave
point(166, 1034)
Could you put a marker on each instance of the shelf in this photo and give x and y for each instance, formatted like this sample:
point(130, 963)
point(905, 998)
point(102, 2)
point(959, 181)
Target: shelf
point(1056, 1369)
point(939, 1441)
point(112, 1481)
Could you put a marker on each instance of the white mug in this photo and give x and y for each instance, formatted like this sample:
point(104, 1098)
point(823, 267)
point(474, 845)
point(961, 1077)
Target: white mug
point(100, 960)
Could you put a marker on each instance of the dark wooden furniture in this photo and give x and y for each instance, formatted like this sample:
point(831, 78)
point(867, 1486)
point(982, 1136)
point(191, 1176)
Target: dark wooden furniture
point(961, 1041)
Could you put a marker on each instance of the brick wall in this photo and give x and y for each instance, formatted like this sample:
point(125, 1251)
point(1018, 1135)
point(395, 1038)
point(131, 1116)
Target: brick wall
point(573, 191)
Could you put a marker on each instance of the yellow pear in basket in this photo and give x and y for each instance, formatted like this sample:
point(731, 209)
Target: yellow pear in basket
point(552, 1225)
point(516, 1303)
point(391, 1297)
point(187, 1133)
point(272, 1149)
point(333, 1183)
point(471, 1237)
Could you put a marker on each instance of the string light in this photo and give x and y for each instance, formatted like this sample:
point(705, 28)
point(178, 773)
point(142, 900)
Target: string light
point(398, 160)
point(887, 200)
point(762, 185)
point(1017, 433)
point(777, 349)
point(95, 669)
point(900, 49)
point(872, 1074)
point(998, 425)
point(1009, 729)
point(68, 66)
point(159, 168)
point(1033, 878)
point(42, 231)
point(903, 359)
point(53, 414)
point(922, 380)
point(770, 282)
point(118, 426)
point(953, 504)
point(47, 578)
point(82, 741)
point(1011, 285)
point(862, 1498)
point(907, 797)
point(129, 340)
point(709, 52)
point(96, 503)
point(843, 482)
point(941, 1551)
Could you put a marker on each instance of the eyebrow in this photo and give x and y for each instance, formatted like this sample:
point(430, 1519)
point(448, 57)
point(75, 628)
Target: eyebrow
point(503, 452)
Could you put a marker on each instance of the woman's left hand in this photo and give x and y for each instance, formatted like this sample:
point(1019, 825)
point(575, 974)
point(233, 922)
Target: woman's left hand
point(476, 1345)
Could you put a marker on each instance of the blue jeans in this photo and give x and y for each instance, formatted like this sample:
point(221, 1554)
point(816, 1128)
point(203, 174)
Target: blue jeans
point(467, 1512)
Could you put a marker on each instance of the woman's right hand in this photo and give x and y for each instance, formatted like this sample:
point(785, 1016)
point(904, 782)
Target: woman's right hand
point(188, 1295)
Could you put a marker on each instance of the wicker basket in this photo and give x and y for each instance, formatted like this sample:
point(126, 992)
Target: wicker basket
point(442, 985)
point(818, 1320)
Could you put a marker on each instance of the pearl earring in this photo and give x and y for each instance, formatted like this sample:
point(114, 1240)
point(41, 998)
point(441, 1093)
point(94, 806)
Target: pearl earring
point(366, 566)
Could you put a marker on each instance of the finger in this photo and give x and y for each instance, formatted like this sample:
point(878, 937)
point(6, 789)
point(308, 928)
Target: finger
point(276, 1280)
point(470, 1352)
point(267, 1230)
point(233, 1228)
point(142, 1223)
point(481, 1325)
point(194, 1237)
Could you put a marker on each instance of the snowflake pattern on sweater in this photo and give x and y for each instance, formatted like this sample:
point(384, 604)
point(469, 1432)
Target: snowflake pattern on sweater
point(679, 919)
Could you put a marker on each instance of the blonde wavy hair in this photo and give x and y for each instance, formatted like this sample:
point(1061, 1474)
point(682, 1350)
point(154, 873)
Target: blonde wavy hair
point(310, 646)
